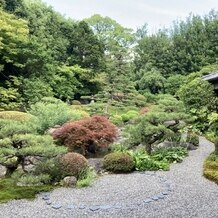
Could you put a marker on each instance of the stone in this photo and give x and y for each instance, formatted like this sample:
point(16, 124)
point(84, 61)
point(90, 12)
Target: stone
point(70, 181)
point(48, 202)
point(56, 206)
point(105, 207)
point(46, 198)
point(155, 198)
point(148, 200)
point(117, 207)
point(165, 193)
point(52, 130)
point(160, 196)
point(94, 208)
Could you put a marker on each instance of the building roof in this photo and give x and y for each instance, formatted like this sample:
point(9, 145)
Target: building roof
point(211, 76)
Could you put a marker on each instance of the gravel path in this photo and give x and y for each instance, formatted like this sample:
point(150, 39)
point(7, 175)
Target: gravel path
point(180, 192)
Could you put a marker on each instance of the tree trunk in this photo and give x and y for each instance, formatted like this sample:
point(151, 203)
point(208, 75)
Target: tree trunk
point(148, 148)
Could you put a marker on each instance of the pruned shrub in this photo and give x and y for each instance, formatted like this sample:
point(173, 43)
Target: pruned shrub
point(76, 102)
point(118, 162)
point(14, 115)
point(211, 167)
point(89, 134)
point(116, 119)
point(130, 115)
point(73, 164)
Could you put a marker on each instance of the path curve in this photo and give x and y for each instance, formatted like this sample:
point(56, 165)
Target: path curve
point(189, 195)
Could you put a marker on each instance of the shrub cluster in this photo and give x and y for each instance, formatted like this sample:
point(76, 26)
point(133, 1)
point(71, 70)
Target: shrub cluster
point(118, 162)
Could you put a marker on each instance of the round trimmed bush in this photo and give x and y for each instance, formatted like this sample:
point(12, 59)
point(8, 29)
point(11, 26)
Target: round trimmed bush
point(116, 119)
point(118, 162)
point(73, 164)
point(76, 102)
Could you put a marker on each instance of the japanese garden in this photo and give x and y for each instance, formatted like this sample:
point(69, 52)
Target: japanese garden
point(100, 120)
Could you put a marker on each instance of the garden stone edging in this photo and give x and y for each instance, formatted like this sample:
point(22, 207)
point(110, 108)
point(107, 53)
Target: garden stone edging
point(165, 184)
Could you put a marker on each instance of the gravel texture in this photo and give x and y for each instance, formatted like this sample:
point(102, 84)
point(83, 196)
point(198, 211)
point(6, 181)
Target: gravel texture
point(180, 192)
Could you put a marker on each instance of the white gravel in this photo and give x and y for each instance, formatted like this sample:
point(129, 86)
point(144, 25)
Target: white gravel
point(125, 195)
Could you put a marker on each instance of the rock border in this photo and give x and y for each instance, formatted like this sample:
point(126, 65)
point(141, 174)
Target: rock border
point(147, 200)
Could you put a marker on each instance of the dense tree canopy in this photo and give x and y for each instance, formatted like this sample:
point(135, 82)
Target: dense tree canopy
point(42, 53)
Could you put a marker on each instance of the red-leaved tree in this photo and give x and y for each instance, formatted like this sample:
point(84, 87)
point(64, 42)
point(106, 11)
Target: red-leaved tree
point(88, 134)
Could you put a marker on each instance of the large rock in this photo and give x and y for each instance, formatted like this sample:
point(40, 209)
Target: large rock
point(2, 171)
point(70, 181)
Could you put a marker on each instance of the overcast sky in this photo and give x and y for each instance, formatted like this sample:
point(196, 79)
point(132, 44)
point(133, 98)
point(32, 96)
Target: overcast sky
point(134, 13)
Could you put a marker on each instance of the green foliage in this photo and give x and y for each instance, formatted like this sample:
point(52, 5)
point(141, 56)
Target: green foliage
point(173, 83)
point(199, 100)
point(33, 180)
point(9, 99)
point(48, 115)
point(49, 167)
point(14, 115)
point(211, 167)
point(73, 164)
point(170, 155)
point(19, 192)
point(13, 38)
point(118, 162)
point(33, 90)
point(193, 139)
point(145, 162)
point(8, 128)
point(196, 94)
point(17, 141)
point(75, 102)
point(117, 147)
point(212, 133)
point(116, 119)
point(151, 80)
point(86, 178)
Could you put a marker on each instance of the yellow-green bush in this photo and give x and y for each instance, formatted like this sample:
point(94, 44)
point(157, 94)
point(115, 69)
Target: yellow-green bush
point(75, 102)
point(14, 115)
point(211, 167)
point(116, 119)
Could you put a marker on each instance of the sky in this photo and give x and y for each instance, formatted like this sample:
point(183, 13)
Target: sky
point(134, 13)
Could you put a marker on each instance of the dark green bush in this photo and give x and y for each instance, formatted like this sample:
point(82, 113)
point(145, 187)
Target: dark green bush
point(118, 162)
point(49, 167)
point(193, 139)
point(73, 164)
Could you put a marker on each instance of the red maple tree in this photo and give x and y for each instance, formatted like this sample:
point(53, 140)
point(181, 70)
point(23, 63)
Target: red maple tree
point(89, 134)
